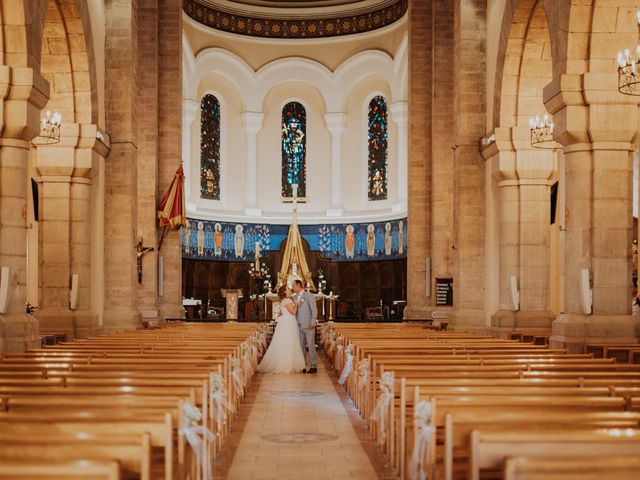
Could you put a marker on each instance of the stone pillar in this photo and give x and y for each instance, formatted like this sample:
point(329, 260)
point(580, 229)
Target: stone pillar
point(336, 124)
point(469, 106)
point(169, 145)
point(121, 79)
point(66, 170)
point(535, 167)
point(419, 182)
point(522, 174)
point(597, 135)
point(400, 116)
point(23, 92)
point(251, 124)
point(190, 109)
point(501, 159)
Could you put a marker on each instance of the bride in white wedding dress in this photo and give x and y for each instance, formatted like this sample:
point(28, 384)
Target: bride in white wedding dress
point(284, 354)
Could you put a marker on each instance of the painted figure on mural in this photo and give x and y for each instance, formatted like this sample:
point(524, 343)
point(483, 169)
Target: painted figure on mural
point(239, 241)
point(388, 239)
point(187, 237)
point(200, 238)
point(349, 242)
point(217, 240)
point(400, 237)
point(208, 239)
point(371, 240)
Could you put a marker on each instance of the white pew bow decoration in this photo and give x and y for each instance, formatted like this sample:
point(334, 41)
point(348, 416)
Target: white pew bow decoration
point(236, 376)
point(332, 343)
point(247, 363)
point(381, 412)
point(219, 398)
point(363, 373)
point(423, 436)
point(346, 371)
point(196, 435)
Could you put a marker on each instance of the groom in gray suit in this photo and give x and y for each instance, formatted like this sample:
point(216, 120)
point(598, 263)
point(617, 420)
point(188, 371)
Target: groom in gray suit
point(307, 317)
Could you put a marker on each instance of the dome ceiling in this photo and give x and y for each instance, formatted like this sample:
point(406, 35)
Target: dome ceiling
point(296, 19)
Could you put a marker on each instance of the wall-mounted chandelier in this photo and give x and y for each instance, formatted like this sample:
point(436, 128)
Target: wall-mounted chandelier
point(628, 74)
point(542, 133)
point(49, 130)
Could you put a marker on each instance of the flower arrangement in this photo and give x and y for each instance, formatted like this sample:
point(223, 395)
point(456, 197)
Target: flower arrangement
point(322, 283)
point(260, 273)
point(217, 382)
point(423, 412)
point(386, 381)
point(235, 364)
point(191, 413)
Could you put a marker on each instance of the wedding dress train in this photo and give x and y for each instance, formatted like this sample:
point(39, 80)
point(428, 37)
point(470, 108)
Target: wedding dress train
point(284, 354)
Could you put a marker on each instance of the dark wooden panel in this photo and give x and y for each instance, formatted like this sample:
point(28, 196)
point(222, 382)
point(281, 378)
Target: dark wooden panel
point(359, 284)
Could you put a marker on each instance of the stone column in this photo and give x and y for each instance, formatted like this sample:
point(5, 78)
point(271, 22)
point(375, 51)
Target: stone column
point(419, 182)
point(597, 135)
point(169, 15)
point(121, 206)
point(251, 124)
point(190, 109)
point(54, 164)
point(336, 124)
point(23, 92)
point(400, 116)
point(535, 167)
point(66, 170)
point(470, 35)
point(501, 159)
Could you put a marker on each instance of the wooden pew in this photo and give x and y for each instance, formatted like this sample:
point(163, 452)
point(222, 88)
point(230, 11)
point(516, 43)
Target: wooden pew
point(461, 372)
point(132, 451)
point(545, 468)
point(490, 450)
point(76, 469)
point(54, 423)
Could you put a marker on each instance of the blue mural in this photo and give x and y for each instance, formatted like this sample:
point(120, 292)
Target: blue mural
point(211, 240)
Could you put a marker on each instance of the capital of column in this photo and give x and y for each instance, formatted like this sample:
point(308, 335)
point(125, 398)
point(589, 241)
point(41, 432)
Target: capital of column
point(336, 122)
point(23, 93)
point(189, 110)
point(400, 112)
point(252, 121)
point(583, 106)
point(75, 154)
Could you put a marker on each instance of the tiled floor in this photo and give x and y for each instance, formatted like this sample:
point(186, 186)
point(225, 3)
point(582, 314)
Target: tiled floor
point(300, 428)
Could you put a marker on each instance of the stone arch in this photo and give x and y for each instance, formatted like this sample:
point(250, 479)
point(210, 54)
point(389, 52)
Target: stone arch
point(20, 32)
point(68, 61)
point(525, 63)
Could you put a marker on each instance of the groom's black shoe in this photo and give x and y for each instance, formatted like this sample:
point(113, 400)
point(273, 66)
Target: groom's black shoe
point(312, 370)
point(304, 370)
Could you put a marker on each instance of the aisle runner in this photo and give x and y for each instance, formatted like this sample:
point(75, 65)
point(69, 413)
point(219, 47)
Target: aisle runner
point(299, 429)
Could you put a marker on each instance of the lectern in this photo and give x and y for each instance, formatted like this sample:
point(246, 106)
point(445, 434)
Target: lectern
point(232, 296)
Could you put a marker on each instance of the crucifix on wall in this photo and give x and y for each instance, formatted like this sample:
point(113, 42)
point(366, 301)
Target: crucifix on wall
point(141, 252)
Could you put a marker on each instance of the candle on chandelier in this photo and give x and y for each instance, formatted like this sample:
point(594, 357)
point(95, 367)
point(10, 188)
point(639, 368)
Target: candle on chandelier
point(638, 16)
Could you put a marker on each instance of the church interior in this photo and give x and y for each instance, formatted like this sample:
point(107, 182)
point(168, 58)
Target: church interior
point(454, 182)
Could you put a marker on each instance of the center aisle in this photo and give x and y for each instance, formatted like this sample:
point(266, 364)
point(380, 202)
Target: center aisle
point(299, 428)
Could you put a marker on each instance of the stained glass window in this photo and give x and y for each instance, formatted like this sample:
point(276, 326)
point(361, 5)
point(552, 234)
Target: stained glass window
point(377, 140)
point(294, 142)
point(210, 148)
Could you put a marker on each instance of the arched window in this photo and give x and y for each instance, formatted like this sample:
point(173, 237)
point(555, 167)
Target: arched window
point(377, 143)
point(294, 149)
point(210, 148)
